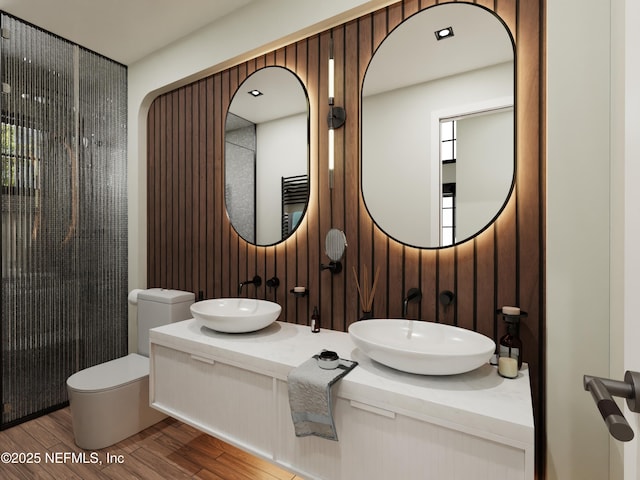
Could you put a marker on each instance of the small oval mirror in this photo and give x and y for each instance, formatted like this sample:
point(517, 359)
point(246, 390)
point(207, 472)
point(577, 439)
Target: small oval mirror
point(335, 244)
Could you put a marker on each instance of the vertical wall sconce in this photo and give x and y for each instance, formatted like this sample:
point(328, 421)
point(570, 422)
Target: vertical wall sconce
point(336, 116)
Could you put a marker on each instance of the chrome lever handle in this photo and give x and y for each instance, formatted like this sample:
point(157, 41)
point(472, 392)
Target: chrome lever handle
point(603, 388)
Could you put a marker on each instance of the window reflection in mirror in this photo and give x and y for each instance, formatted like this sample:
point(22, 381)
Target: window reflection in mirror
point(267, 156)
point(413, 194)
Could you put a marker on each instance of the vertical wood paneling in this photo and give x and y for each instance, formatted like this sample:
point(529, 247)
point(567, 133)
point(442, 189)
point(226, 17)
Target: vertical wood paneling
point(446, 281)
point(365, 224)
point(192, 246)
point(531, 201)
point(394, 15)
point(152, 135)
point(506, 261)
point(485, 291)
point(411, 7)
point(411, 273)
point(201, 217)
point(186, 188)
point(490, 4)
point(227, 250)
point(182, 187)
point(173, 215)
point(397, 286)
point(192, 213)
point(429, 285)
point(465, 283)
point(380, 250)
point(351, 167)
point(163, 191)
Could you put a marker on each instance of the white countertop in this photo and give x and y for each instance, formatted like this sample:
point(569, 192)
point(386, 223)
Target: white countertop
point(479, 402)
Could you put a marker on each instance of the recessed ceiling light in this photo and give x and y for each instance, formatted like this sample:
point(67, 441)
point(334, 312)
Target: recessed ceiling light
point(444, 33)
point(255, 93)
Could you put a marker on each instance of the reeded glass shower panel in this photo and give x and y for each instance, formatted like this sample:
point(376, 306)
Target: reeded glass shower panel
point(64, 225)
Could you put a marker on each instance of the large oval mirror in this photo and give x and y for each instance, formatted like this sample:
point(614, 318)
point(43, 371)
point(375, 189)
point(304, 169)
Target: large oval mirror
point(438, 136)
point(266, 162)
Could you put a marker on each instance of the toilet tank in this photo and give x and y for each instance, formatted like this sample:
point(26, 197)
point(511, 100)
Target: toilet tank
point(160, 306)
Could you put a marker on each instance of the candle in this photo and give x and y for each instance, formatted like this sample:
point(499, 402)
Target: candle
point(508, 367)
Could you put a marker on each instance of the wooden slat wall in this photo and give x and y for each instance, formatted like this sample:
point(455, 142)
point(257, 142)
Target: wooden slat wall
point(191, 245)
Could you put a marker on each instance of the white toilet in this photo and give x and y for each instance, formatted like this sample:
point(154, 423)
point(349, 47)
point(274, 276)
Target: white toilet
point(110, 401)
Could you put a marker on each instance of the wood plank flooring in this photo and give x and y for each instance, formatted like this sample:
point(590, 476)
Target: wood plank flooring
point(169, 449)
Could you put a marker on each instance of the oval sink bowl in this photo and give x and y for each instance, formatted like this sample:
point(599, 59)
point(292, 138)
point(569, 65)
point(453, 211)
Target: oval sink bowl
point(425, 348)
point(236, 315)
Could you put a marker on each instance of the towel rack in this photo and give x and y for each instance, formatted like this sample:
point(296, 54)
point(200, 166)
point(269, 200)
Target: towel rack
point(603, 388)
point(295, 192)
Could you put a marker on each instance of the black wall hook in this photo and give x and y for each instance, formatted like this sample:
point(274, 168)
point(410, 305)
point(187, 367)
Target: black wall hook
point(335, 267)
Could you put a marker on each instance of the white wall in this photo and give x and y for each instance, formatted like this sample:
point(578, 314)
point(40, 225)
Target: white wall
point(626, 151)
point(281, 152)
point(617, 182)
point(484, 169)
point(397, 143)
point(578, 225)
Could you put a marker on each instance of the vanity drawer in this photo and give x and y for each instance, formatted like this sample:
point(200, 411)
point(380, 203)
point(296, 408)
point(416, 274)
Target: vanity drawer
point(419, 449)
point(379, 443)
point(226, 401)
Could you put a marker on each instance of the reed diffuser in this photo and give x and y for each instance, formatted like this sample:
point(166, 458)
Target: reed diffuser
point(365, 293)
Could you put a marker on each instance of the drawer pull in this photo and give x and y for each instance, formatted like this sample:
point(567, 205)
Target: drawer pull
point(203, 359)
point(372, 409)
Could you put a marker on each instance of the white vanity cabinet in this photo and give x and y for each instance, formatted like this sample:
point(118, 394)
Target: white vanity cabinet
point(389, 424)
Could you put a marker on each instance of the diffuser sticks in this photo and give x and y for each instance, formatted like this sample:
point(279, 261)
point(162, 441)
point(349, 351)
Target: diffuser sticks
point(365, 293)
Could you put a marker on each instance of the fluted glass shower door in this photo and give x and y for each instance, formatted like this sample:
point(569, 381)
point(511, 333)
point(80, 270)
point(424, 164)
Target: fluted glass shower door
point(64, 216)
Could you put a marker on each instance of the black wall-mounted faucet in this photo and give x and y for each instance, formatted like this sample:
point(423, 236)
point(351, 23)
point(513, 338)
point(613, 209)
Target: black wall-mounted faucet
point(257, 281)
point(414, 294)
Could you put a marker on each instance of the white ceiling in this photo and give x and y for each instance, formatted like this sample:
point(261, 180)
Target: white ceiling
point(283, 95)
point(123, 30)
point(414, 55)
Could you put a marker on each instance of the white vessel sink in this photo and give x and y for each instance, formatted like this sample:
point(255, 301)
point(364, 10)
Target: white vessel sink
point(424, 348)
point(236, 315)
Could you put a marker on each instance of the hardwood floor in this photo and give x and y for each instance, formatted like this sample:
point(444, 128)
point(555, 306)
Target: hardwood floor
point(169, 449)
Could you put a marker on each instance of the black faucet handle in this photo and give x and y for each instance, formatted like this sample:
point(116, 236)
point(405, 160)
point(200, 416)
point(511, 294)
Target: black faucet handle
point(446, 297)
point(414, 294)
point(273, 282)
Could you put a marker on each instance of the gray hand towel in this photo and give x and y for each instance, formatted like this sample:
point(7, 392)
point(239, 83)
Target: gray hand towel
point(310, 397)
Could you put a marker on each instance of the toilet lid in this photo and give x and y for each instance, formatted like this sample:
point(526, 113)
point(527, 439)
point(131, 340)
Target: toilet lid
point(108, 375)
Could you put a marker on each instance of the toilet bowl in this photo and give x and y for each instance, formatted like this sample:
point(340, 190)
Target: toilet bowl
point(110, 401)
